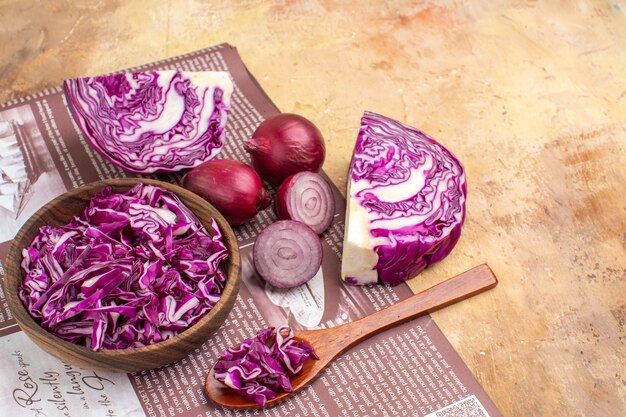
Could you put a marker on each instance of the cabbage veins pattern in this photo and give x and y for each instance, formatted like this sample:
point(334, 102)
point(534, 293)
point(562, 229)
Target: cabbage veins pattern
point(156, 121)
point(419, 222)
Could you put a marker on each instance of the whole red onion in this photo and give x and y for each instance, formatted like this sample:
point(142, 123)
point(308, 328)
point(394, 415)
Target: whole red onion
point(286, 144)
point(232, 187)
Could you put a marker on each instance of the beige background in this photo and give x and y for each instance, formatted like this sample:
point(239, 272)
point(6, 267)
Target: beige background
point(530, 95)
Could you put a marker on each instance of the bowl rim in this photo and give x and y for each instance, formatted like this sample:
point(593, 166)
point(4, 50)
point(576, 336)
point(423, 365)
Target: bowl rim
point(233, 269)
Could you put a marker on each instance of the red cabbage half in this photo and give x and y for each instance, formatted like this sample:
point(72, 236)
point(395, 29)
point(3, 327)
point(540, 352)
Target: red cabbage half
point(259, 368)
point(406, 203)
point(156, 121)
point(133, 269)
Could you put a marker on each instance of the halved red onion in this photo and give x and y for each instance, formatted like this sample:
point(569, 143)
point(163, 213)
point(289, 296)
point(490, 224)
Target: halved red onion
point(287, 254)
point(306, 197)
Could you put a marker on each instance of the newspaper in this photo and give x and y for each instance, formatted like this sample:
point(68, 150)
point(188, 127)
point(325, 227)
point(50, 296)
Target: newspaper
point(410, 370)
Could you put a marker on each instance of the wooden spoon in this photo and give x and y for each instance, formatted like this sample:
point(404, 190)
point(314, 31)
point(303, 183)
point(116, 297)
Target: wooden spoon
point(332, 342)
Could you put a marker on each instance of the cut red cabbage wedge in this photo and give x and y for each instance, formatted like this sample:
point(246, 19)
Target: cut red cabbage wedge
point(133, 269)
point(406, 203)
point(155, 121)
point(306, 197)
point(260, 368)
point(287, 254)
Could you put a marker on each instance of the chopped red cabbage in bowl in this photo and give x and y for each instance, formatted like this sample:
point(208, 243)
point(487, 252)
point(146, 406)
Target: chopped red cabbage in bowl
point(259, 368)
point(131, 270)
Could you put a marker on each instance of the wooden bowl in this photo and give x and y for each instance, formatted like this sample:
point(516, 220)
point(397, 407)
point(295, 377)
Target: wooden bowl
point(58, 212)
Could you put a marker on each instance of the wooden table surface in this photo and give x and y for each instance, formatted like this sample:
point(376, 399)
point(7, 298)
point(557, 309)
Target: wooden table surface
point(530, 95)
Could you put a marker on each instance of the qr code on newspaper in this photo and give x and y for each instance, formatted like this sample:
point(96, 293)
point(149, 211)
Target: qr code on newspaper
point(467, 407)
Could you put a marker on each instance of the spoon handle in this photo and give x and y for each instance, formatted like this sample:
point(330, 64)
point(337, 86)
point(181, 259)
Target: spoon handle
point(455, 289)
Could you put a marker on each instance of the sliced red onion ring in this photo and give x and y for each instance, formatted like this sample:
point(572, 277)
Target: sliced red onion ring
point(287, 254)
point(307, 198)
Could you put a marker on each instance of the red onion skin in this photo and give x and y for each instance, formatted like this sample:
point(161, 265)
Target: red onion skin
point(232, 187)
point(286, 144)
point(280, 199)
